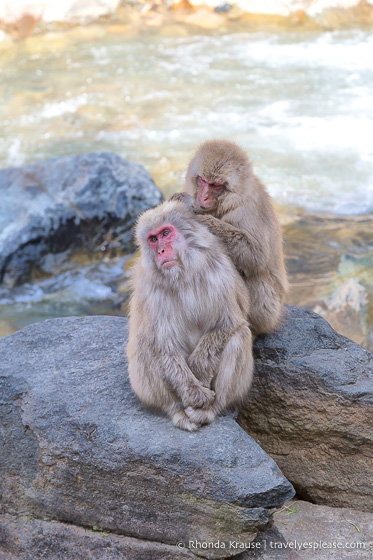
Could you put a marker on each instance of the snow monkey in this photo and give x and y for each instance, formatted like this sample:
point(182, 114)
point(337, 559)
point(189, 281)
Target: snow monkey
point(232, 202)
point(190, 346)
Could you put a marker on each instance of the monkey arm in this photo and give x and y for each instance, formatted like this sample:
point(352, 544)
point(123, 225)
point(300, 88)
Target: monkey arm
point(205, 358)
point(245, 250)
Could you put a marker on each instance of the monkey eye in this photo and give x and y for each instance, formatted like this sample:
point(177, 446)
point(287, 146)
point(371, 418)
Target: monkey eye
point(202, 180)
point(153, 238)
point(165, 233)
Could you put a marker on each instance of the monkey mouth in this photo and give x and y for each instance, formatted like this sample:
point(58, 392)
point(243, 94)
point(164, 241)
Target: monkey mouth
point(169, 264)
point(206, 207)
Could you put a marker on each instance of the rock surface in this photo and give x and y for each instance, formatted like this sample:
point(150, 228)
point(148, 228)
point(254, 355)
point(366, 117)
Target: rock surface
point(51, 206)
point(269, 545)
point(347, 310)
point(311, 409)
point(78, 448)
point(22, 538)
point(20, 16)
point(334, 276)
point(27, 539)
point(325, 533)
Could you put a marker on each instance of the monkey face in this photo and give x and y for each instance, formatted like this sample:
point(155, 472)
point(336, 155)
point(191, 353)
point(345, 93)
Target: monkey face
point(208, 193)
point(165, 242)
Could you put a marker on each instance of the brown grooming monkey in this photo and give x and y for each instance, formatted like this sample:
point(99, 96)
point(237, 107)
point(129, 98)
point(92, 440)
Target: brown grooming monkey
point(232, 202)
point(190, 346)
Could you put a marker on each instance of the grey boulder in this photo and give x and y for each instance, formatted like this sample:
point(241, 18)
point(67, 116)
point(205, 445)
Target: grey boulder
point(78, 448)
point(311, 409)
point(53, 206)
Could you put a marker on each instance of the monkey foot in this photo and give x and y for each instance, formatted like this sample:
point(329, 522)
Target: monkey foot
point(180, 420)
point(199, 415)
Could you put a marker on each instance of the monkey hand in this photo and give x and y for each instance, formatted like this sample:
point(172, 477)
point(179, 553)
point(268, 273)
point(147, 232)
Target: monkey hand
point(185, 198)
point(199, 397)
point(197, 208)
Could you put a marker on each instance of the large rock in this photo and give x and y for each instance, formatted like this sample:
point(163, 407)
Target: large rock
point(60, 204)
point(78, 448)
point(325, 533)
point(311, 409)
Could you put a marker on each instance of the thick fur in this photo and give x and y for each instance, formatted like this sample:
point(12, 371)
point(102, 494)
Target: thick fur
point(190, 346)
point(244, 219)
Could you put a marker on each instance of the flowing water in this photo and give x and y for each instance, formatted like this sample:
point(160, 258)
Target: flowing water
point(300, 103)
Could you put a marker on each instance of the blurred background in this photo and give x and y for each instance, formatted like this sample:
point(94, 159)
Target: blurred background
point(291, 82)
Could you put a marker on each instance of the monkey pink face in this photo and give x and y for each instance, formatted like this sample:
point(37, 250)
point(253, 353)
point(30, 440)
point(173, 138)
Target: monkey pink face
point(162, 242)
point(207, 193)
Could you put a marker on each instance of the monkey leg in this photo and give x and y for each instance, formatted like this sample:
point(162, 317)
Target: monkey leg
point(266, 307)
point(164, 399)
point(205, 358)
point(233, 363)
point(184, 384)
point(166, 383)
point(235, 372)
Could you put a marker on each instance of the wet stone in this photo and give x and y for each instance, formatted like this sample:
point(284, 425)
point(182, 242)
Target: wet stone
point(56, 205)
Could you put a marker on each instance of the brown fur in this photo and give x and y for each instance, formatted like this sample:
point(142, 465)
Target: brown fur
point(244, 219)
point(190, 347)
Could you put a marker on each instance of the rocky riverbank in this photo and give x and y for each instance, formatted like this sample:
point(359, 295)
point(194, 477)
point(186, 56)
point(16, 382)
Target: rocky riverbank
point(66, 236)
point(21, 18)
